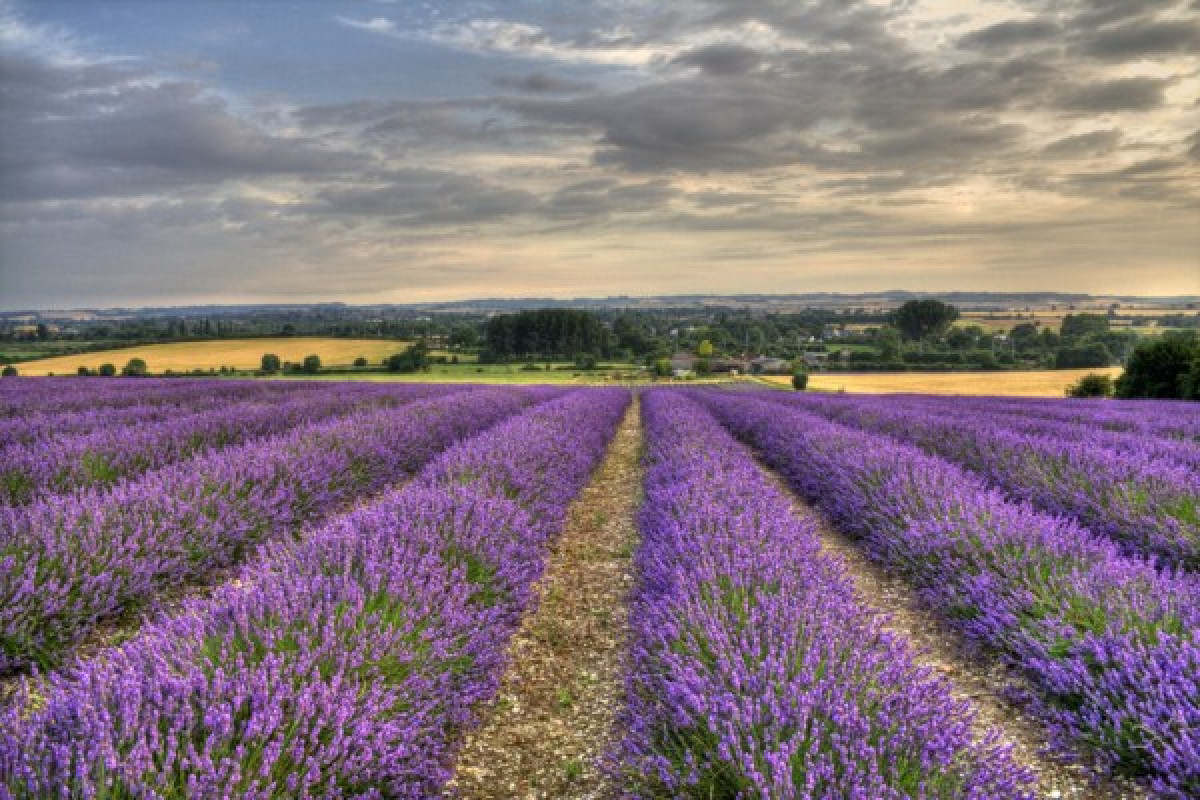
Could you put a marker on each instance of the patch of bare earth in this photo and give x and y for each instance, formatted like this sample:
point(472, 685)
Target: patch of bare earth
point(980, 679)
point(552, 720)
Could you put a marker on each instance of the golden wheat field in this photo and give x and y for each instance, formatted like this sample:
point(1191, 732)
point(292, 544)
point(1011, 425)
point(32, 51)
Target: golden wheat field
point(1034, 383)
point(235, 353)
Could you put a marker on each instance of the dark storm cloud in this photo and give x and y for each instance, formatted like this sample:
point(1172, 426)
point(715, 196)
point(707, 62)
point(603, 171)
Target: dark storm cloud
point(1126, 94)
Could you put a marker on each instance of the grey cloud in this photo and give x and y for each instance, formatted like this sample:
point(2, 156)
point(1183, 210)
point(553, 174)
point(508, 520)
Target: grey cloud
point(603, 197)
point(1141, 39)
point(1083, 144)
point(1125, 94)
point(542, 83)
point(721, 59)
point(426, 197)
point(108, 130)
point(1011, 34)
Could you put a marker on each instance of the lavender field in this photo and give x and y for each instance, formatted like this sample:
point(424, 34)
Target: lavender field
point(224, 589)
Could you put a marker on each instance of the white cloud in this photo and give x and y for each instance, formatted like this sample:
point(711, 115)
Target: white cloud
point(374, 25)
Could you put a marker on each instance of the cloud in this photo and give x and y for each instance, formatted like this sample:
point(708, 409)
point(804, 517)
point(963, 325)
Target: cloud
point(539, 82)
point(374, 25)
point(1125, 94)
point(108, 129)
point(426, 197)
point(721, 59)
point(1093, 143)
point(1012, 33)
point(1142, 39)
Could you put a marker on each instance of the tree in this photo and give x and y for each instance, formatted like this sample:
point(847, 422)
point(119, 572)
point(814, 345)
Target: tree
point(270, 363)
point(888, 340)
point(799, 380)
point(662, 367)
point(1089, 355)
point(312, 364)
point(106, 370)
point(919, 319)
point(9, 371)
point(1092, 385)
point(84, 371)
point(704, 349)
point(1160, 366)
point(415, 357)
point(1084, 324)
point(135, 368)
point(360, 362)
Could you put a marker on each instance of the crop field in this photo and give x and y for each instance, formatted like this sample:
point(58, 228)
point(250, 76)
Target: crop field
point(240, 354)
point(1016, 383)
point(320, 589)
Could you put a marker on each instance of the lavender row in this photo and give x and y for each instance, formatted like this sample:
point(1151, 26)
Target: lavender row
point(1164, 418)
point(1146, 447)
point(346, 664)
point(68, 562)
point(40, 426)
point(755, 670)
point(1147, 505)
point(1109, 641)
point(21, 396)
point(105, 457)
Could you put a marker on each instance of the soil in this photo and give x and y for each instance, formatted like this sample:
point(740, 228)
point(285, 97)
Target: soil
point(551, 724)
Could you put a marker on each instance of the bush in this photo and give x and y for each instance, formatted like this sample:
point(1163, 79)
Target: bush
point(9, 371)
point(360, 362)
point(84, 371)
point(270, 363)
point(1092, 385)
point(135, 368)
point(799, 380)
point(312, 365)
point(107, 370)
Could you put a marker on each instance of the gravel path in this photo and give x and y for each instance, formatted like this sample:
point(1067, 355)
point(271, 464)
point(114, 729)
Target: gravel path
point(553, 716)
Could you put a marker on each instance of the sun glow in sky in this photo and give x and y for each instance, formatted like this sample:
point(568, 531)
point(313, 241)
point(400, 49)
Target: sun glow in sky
point(371, 151)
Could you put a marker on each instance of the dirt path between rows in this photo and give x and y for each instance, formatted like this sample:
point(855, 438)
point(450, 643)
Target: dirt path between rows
point(975, 677)
point(553, 716)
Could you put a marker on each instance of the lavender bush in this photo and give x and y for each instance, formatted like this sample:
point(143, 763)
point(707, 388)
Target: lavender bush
point(108, 455)
point(343, 665)
point(1149, 505)
point(68, 562)
point(755, 671)
point(1110, 641)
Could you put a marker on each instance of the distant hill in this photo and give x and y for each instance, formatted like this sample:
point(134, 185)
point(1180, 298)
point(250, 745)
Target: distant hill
point(979, 301)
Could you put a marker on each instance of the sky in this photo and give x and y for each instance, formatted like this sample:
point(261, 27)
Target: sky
point(392, 151)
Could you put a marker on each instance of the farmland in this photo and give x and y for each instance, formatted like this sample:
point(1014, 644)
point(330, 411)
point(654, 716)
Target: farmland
point(282, 589)
point(239, 354)
point(1017, 383)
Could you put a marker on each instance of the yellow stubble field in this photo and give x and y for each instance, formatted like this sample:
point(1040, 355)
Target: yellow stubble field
point(235, 353)
point(1033, 383)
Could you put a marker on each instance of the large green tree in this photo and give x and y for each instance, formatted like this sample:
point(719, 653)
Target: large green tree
point(1161, 367)
point(920, 319)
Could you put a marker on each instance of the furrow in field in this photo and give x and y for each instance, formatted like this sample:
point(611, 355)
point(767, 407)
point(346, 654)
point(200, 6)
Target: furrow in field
point(552, 719)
